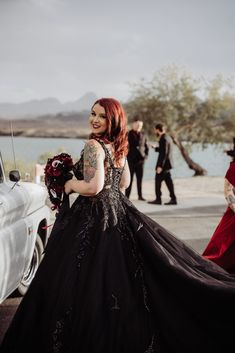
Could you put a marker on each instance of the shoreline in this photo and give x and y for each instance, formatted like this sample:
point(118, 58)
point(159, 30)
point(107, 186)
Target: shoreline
point(45, 135)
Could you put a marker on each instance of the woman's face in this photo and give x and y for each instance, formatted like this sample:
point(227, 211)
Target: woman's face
point(137, 125)
point(98, 120)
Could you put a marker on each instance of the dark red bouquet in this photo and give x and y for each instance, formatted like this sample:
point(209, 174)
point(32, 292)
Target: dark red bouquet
point(57, 171)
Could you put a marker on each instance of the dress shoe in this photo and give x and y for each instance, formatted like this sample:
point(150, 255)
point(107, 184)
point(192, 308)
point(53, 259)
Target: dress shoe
point(171, 202)
point(141, 198)
point(155, 202)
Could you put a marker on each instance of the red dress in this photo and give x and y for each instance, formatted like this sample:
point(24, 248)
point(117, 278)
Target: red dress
point(221, 248)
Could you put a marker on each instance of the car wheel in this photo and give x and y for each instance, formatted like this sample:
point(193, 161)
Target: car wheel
point(30, 273)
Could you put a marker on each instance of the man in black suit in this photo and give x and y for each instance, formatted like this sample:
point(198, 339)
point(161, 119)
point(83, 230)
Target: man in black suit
point(164, 165)
point(138, 152)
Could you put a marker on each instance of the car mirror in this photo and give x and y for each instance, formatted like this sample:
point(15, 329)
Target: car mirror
point(14, 175)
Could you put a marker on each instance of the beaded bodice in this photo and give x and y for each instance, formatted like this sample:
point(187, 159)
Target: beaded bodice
point(108, 201)
point(112, 174)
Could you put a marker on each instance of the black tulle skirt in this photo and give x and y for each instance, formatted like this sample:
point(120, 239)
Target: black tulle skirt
point(114, 281)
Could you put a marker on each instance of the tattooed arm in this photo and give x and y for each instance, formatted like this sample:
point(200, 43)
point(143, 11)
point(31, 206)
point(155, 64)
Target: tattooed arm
point(93, 171)
point(229, 192)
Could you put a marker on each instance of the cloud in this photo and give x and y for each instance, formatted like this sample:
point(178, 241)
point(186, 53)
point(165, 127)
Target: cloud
point(64, 48)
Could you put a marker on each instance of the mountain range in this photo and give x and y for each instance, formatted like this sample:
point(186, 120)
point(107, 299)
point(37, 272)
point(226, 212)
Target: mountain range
point(35, 108)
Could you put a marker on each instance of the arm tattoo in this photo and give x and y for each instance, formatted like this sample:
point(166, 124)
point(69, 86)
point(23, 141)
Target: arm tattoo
point(231, 198)
point(90, 161)
point(229, 194)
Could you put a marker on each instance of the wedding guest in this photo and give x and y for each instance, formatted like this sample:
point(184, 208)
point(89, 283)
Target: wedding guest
point(137, 154)
point(163, 166)
point(221, 247)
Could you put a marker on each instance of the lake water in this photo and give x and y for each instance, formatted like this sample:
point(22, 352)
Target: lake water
point(29, 149)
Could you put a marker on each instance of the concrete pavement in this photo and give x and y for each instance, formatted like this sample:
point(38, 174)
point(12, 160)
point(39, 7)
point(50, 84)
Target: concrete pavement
point(201, 204)
point(193, 220)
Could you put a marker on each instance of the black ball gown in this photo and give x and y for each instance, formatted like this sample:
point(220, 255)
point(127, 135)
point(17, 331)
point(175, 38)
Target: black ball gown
point(114, 281)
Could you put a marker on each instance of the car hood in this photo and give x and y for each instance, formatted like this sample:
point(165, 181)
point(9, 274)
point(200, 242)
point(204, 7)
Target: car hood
point(36, 196)
point(19, 200)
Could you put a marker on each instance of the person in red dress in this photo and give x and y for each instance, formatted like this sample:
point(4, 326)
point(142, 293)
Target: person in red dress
point(221, 248)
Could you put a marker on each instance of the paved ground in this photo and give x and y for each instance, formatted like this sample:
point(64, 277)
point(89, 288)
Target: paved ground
point(195, 226)
point(193, 220)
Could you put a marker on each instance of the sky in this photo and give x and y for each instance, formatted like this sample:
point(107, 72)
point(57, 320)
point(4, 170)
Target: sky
point(66, 48)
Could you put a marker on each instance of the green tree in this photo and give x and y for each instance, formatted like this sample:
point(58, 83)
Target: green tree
point(192, 109)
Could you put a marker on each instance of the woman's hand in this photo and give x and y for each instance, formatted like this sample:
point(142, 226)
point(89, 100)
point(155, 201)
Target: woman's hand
point(68, 187)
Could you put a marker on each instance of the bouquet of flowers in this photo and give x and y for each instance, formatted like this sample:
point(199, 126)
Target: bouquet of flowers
point(57, 171)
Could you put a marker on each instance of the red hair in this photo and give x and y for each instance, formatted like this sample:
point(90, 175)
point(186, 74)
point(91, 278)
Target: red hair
point(117, 127)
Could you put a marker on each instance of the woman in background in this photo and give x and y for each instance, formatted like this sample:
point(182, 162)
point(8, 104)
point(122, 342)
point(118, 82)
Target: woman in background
point(221, 248)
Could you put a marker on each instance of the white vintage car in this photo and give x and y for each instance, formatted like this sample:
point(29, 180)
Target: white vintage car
point(24, 217)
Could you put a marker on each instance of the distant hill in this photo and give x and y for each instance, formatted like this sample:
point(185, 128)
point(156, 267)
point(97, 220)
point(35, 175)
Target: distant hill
point(80, 118)
point(70, 125)
point(34, 108)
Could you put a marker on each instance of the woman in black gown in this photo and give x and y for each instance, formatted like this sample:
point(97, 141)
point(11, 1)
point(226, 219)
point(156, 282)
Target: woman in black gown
point(114, 281)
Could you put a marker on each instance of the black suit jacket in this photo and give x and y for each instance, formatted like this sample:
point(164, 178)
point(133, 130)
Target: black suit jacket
point(138, 146)
point(165, 149)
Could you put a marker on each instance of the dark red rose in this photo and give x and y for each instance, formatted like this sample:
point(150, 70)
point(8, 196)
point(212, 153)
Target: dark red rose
point(57, 171)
